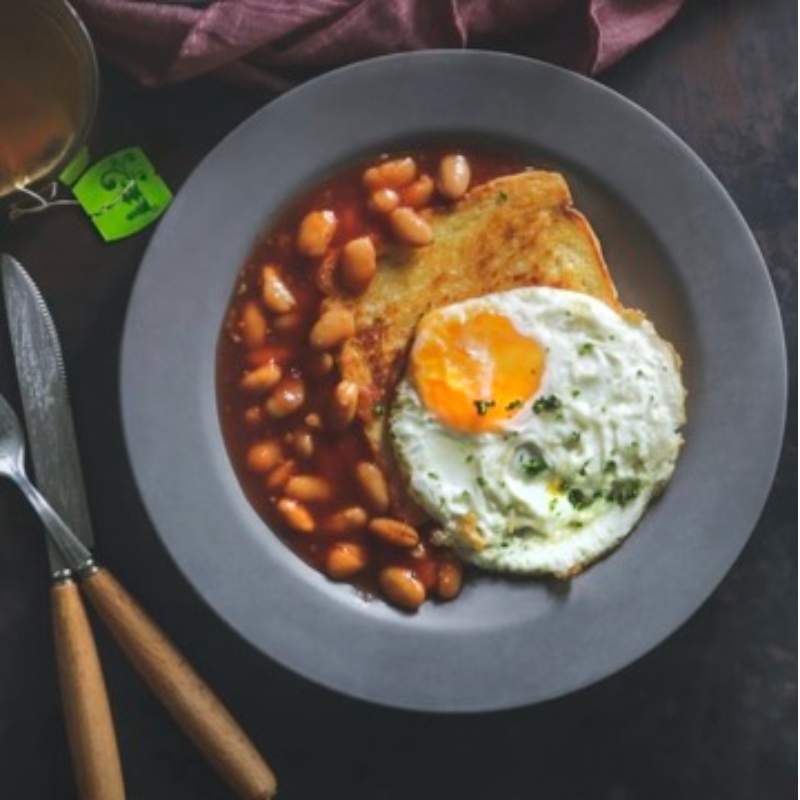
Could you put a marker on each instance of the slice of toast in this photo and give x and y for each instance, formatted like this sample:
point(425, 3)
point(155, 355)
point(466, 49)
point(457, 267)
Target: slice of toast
point(518, 230)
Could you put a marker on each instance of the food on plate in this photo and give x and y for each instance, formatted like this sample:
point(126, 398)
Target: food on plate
point(535, 425)
point(456, 300)
point(515, 230)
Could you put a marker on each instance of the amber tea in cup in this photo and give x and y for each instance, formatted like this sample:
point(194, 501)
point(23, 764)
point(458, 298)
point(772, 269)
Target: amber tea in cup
point(48, 90)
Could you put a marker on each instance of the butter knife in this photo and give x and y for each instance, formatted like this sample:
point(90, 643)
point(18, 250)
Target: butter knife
point(48, 418)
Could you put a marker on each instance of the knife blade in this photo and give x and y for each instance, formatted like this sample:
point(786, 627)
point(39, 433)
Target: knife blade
point(186, 696)
point(46, 406)
point(54, 453)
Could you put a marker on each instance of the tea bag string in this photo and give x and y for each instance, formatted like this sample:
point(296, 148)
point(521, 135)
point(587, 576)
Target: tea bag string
point(40, 202)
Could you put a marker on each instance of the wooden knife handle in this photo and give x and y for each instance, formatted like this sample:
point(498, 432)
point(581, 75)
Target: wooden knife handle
point(183, 692)
point(90, 727)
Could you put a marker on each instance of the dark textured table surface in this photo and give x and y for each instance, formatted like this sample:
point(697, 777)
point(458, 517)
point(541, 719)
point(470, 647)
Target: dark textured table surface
point(710, 713)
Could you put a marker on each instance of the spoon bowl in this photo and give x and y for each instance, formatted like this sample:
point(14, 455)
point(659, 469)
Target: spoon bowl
point(12, 465)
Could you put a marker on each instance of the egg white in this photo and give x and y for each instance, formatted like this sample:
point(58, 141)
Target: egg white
point(570, 474)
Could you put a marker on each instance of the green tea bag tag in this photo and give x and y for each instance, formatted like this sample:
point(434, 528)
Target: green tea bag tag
point(75, 168)
point(122, 194)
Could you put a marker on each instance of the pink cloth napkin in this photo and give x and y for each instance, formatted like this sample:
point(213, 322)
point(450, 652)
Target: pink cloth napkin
point(279, 42)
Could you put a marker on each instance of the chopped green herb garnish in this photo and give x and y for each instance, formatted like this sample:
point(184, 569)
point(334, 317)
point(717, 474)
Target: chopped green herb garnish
point(514, 405)
point(469, 459)
point(502, 197)
point(623, 491)
point(433, 476)
point(532, 466)
point(610, 466)
point(579, 499)
point(576, 392)
point(379, 409)
point(573, 440)
point(483, 406)
point(465, 495)
point(481, 481)
point(585, 348)
point(544, 404)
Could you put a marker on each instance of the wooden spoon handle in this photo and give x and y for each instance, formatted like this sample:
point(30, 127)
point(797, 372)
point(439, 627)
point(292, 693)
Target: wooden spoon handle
point(87, 715)
point(183, 692)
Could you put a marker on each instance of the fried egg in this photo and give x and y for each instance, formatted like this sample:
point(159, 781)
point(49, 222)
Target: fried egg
point(535, 425)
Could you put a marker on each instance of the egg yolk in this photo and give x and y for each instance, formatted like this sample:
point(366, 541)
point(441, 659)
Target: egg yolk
point(473, 372)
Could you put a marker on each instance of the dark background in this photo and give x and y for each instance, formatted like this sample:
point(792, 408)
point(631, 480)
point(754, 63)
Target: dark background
point(711, 713)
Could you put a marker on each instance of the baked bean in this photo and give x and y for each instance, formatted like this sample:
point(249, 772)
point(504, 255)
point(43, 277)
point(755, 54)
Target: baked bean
point(419, 193)
point(425, 567)
point(286, 398)
point(325, 273)
point(394, 174)
point(453, 176)
point(372, 485)
point(344, 404)
point(393, 532)
point(316, 233)
point(319, 365)
point(308, 488)
point(288, 322)
point(314, 421)
point(279, 353)
point(277, 479)
point(261, 379)
point(382, 201)
point(276, 295)
point(348, 520)
point(449, 578)
point(358, 264)
point(402, 587)
point(410, 228)
point(264, 456)
point(345, 559)
point(253, 416)
point(303, 444)
point(253, 325)
point(333, 328)
point(296, 515)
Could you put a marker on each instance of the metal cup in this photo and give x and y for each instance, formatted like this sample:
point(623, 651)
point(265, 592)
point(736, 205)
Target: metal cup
point(49, 88)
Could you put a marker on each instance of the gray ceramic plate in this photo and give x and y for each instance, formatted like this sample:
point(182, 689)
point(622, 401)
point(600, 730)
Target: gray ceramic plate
point(677, 247)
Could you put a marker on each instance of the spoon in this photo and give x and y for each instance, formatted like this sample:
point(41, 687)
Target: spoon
point(12, 465)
